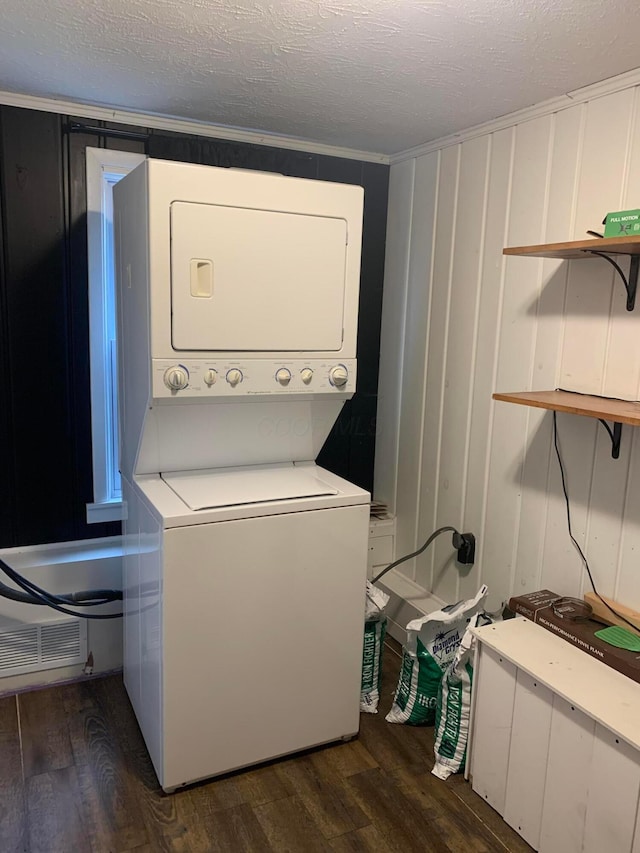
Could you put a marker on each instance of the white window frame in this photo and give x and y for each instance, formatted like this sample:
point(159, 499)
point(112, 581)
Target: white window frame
point(104, 169)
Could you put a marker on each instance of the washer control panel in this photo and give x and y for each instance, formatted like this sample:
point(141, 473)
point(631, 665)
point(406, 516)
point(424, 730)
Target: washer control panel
point(203, 378)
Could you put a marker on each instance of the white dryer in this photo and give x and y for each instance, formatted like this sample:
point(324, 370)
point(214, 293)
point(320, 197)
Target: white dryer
point(245, 562)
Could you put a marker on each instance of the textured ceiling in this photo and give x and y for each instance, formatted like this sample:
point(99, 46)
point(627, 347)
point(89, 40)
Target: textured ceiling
point(376, 75)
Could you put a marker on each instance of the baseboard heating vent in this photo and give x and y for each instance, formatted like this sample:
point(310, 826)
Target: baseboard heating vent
point(46, 645)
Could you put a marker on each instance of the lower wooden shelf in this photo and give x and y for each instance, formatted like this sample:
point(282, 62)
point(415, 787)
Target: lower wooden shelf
point(602, 408)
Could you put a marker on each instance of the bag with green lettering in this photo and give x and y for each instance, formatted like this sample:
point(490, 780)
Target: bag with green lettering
point(375, 625)
point(453, 708)
point(432, 642)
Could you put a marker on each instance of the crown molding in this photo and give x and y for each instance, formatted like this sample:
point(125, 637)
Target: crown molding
point(587, 93)
point(199, 128)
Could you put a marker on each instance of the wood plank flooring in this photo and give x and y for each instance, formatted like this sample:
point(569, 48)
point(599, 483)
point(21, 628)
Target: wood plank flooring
point(76, 777)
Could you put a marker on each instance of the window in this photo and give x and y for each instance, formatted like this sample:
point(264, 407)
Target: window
point(104, 169)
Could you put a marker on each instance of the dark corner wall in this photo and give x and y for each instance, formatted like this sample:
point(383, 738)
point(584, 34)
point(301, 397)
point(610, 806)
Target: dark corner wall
point(45, 418)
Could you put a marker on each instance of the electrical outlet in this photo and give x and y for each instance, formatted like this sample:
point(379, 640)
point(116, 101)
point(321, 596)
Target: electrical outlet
point(466, 549)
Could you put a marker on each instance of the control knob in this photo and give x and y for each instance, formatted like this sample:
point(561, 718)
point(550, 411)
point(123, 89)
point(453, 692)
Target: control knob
point(283, 376)
point(210, 377)
point(306, 374)
point(234, 377)
point(176, 378)
point(339, 375)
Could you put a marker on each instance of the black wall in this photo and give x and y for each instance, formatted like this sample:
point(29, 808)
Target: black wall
point(45, 418)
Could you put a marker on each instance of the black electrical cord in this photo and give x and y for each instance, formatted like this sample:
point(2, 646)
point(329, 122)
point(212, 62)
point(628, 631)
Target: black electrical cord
point(571, 536)
point(33, 594)
point(418, 552)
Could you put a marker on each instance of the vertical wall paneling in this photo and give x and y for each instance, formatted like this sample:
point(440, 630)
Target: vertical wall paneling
point(530, 733)
point(394, 301)
point(512, 429)
point(464, 299)
point(565, 794)
point(622, 364)
point(7, 460)
point(362, 433)
point(493, 711)
point(435, 334)
point(614, 786)
point(37, 318)
point(539, 324)
point(547, 311)
point(561, 567)
point(485, 365)
point(414, 432)
point(591, 290)
point(627, 587)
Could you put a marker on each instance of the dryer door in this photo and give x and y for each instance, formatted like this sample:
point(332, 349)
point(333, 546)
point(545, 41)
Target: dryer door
point(250, 280)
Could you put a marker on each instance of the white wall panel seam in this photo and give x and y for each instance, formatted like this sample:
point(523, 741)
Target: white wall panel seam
point(405, 298)
point(603, 571)
point(621, 538)
point(587, 527)
point(628, 150)
point(543, 237)
point(613, 283)
point(417, 542)
point(572, 230)
point(414, 349)
point(392, 341)
point(531, 413)
point(496, 355)
point(613, 276)
point(566, 266)
point(474, 346)
point(446, 347)
point(585, 542)
point(515, 543)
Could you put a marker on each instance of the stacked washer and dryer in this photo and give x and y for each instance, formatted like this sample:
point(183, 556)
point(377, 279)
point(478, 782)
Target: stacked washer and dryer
point(245, 563)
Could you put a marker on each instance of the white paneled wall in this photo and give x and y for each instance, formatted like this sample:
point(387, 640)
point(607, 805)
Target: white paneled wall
point(461, 321)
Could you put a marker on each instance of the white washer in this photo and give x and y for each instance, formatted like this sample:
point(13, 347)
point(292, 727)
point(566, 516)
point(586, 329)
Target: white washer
point(245, 563)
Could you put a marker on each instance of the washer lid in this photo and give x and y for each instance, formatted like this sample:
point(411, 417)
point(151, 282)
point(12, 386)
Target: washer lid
point(219, 487)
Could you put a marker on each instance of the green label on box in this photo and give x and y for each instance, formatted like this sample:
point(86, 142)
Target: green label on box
point(624, 223)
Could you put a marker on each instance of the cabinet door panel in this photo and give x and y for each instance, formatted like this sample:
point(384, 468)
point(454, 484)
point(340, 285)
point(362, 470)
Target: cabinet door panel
point(528, 757)
point(565, 793)
point(495, 683)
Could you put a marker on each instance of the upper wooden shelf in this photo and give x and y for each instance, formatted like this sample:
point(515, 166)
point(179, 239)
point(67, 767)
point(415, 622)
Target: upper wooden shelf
point(602, 408)
point(618, 411)
point(597, 248)
point(575, 249)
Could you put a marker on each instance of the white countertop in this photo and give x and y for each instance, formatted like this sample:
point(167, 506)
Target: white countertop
point(600, 692)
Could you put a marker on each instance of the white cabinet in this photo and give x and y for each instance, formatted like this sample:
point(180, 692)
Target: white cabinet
point(555, 745)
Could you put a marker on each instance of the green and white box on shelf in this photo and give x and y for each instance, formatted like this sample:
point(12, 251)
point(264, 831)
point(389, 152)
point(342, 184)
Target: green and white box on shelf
point(623, 223)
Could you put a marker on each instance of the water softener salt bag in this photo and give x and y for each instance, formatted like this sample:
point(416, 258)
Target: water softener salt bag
point(432, 643)
point(375, 624)
point(453, 708)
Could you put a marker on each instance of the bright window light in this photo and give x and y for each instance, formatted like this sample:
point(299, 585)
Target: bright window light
point(104, 169)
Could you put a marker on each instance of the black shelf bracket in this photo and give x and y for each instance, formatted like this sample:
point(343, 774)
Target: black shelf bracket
point(615, 435)
point(630, 283)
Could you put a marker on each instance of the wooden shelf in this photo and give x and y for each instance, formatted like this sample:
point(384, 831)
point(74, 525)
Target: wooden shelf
point(576, 249)
point(618, 411)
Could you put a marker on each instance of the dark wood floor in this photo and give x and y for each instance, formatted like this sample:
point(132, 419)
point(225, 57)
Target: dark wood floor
point(75, 777)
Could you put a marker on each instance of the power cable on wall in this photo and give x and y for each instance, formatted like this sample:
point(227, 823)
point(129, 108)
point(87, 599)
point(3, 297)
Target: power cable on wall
point(571, 536)
point(33, 594)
